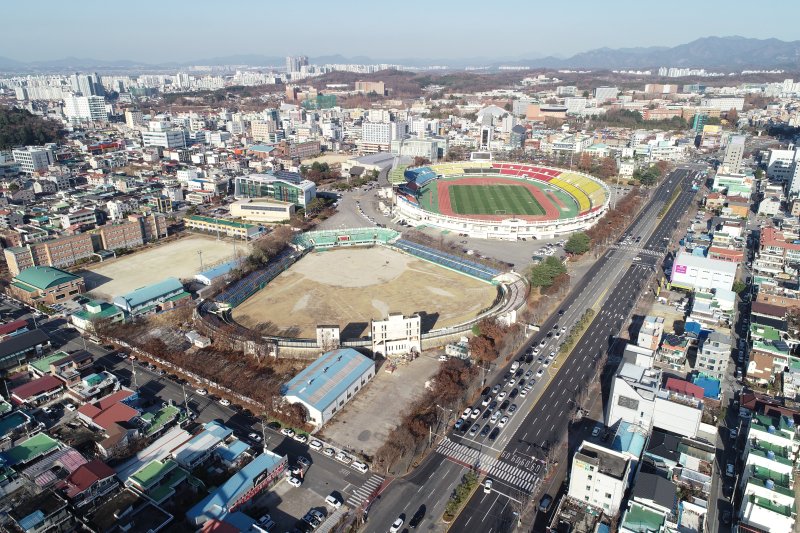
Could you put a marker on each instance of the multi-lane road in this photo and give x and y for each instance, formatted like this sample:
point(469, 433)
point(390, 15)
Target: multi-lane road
point(515, 460)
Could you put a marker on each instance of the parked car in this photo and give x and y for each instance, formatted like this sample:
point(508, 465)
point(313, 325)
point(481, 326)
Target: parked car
point(315, 445)
point(289, 432)
point(487, 486)
point(333, 501)
point(295, 482)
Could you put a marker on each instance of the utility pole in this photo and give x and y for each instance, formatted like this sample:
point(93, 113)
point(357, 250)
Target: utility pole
point(133, 374)
point(200, 254)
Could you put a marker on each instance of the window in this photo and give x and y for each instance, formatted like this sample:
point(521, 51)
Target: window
point(608, 495)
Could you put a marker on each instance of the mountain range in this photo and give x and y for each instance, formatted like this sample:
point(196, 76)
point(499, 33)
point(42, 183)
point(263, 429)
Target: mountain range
point(708, 52)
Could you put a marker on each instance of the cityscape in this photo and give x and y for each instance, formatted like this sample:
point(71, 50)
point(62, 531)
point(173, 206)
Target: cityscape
point(335, 282)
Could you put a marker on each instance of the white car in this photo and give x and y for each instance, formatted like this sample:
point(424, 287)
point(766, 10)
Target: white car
point(503, 422)
point(328, 451)
point(501, 396)
point(343, 458)
point(495, 417)
point(396, 525)
point(475, 413)
point(289, 432)
point(224, 402)
point(295, 482)
point(333, 501)
point(539, 373)
point(466, 412)
point(69, 407)
point(299, 437)
point(255, 436)
point(487, 486)
point(315, 445)
point(201, 392)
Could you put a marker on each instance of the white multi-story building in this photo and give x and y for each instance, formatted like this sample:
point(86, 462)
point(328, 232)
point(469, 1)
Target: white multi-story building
point(33, 159)
point(376, 136)
point(732, 162)
point(633, 395)
point(397, 334)
point(714, 354)
point(79, 217)
point(134, 119)
point(650, 333)
point(599, 477)
point(781, 164)
point(117, 209)
point(694, 272)
point(79, 109)
point(428, 148)
point(724, 104)
point(605, 94)
point(165, 139)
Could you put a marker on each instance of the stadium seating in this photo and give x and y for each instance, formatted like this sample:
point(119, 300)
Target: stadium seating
point(453, 262)
point(584, 204)
point(420, 175)
point(238, 292)
point(328, 238)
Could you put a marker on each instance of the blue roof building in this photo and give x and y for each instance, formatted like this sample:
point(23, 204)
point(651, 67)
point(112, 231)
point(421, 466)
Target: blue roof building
point(329, 382)
point(207, 277)
point(711, 387)
point(147, 299)
point(240, 488)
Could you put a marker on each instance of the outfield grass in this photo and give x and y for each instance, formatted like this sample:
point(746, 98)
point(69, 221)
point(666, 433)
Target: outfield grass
point(495, 199)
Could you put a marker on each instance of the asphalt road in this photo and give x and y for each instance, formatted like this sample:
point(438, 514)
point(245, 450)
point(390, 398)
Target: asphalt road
point(515, 461)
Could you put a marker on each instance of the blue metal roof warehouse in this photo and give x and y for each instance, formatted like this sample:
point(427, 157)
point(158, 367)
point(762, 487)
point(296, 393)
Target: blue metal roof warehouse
point(323, 385)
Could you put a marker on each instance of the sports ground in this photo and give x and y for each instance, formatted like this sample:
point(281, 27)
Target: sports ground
point(178, 259)
point(351, 286)
point(497, 198)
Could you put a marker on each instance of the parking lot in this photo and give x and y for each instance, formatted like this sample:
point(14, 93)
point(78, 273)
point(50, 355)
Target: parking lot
point(370, 411)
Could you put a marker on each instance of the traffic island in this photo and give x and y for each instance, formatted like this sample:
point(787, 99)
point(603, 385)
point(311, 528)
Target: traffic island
point(461, 494)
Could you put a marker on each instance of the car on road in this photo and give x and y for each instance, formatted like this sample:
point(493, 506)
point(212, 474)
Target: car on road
point(225, 402)
point(545, 502)
point(397, 524)
point(596, 431)
point(528, 374)
point(418, 517)
point(563, 330)
point(504, 405)
point(266, 522)
point(524, 392)
point(305, 462)
point(69, 407)
point(487, 486)
point(289, 432)
point(343, 458)
point(493, 435)
point(734, 433)
point(333, 501)
point(542, 343)
point(315, 445)
point(512, 409)
point(503, 422)
point(495, 417)
point(201, 392)
point(495, 389)
point(295, 481)
point(546, 363)
point(729, 470)
point(513, 394)
point(466, 412)
point(511, 383)
point(486, 400)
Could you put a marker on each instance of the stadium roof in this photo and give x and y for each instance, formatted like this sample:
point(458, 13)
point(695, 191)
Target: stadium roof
point(328, 377)
point(149, 293)
point(44, 277)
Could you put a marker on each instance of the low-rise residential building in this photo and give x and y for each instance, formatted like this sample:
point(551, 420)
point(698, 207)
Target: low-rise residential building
point(714, 354)
point(599, 477)
point(633, 395)
point(650, 332)
point(90, 484)
point(262, 210)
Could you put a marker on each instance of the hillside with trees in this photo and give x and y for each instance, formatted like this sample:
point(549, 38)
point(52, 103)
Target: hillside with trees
point(19, 127)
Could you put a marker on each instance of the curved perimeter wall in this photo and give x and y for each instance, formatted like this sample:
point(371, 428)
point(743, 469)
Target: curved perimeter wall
point(591, 195)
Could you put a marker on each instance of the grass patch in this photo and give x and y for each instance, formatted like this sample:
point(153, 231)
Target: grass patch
point(493, 200)
point(672, 199)
point(460, 495)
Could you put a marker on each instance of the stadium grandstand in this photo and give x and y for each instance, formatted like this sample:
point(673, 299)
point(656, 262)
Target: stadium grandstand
point(345, 237)
point(570, 201)
point(241, 290)
point(453, 262)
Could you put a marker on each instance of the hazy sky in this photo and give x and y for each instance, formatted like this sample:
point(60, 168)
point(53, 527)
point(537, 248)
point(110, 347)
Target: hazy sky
point(179, 30)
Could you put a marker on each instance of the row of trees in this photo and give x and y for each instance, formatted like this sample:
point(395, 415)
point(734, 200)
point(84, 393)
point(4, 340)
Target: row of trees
point(625, 118)
point(616, 220)
point(489, 338)
point(19, 127)
point(545, 274)
point(453, 386)
point(605, 167)
point(320, 173)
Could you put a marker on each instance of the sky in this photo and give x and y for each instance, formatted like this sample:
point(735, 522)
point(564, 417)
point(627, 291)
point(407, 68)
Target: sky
point(180, 30)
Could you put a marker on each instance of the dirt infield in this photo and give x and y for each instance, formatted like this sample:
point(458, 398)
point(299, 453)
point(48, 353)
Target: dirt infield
point(178, 259)
point(351, 286)
point(551, 212)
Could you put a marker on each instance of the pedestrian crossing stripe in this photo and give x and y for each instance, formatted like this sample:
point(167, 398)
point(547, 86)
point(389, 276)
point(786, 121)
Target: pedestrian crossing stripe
point(363, 493)
point(509, 473)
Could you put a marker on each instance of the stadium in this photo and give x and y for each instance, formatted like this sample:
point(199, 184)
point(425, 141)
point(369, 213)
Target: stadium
point(501, 200)
point(349, 277)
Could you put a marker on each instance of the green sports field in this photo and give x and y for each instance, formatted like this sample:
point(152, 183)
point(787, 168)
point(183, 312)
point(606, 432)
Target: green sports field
point(495, 199)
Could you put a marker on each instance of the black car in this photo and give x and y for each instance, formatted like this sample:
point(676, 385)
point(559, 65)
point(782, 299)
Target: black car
point(418, 517)
point(504, 404)
point(486, 391)
point(486, 429)
point(493, 405)
point(486, 414)
point(529, 358)
point(493, 435)
point(519, 372)
point(513, 393)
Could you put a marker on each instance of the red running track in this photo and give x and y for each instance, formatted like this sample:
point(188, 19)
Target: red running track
point(551, 212)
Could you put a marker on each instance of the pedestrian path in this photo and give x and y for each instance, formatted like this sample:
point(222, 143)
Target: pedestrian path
point(522, 478)
point(365, 491)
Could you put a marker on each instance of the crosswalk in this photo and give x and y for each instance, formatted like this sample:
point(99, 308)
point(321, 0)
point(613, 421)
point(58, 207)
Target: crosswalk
point(523, 478)
point(365, 491)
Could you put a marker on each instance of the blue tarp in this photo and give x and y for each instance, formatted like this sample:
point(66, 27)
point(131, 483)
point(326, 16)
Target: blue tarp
point(710, 386)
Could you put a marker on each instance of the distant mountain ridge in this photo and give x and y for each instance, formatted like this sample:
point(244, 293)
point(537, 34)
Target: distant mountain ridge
point(708, 52)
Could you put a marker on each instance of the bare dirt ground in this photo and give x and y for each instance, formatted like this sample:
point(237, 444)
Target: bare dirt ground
point(365, 422)
point(351, 286)
point(175, 259)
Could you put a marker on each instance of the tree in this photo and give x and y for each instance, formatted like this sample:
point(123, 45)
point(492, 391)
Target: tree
point(739, 286)
point(578, 243)
point(482, 349)
point(543, 274)
point(586, 94)
point(608, 167)
point(585, 161)
point(19, 127)
point(420, 161)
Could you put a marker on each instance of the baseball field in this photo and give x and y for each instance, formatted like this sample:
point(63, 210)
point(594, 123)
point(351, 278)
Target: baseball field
point(351, 286)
